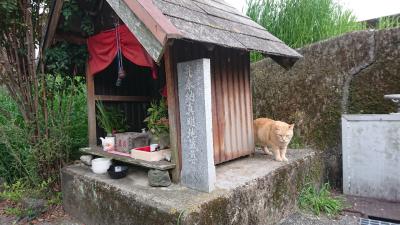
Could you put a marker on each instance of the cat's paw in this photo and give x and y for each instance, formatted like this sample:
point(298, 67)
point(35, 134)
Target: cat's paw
point(285, 159)
point(278, 159)
point(268, 153)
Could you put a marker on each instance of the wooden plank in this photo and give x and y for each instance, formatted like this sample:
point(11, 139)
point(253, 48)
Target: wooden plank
point(173, 112)
point(267, 46)
point(207, 34)
point(52, 24)
point(189, 4)
point(153, 19)
point(91, 103)
point(224, 7)
point(113, 98)
point(153, 47)
point(159, 165)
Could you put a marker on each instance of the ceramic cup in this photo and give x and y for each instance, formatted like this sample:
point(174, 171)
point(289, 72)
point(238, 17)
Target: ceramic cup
point(153, 147)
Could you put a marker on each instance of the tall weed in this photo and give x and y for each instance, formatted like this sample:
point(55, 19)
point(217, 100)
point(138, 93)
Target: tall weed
point(388, 22)
point(16, 159)
point(301, 22)
point(63, 118)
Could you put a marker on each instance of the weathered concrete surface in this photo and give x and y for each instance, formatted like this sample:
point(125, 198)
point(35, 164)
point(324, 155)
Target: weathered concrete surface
point(252, 190)
point(345, 74)
point(371, 156)
point(307, 219)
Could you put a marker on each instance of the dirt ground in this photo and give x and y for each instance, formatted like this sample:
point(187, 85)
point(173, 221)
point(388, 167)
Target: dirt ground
point(54, 216)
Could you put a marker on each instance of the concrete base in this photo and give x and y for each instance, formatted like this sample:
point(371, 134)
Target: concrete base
point(252, 190)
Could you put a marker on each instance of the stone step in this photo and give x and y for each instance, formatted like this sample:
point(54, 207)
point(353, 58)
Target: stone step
point(251, 190)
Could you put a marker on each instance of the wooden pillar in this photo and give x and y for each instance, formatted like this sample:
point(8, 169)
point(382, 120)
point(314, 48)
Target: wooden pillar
point(91, 103)
point(173, 112)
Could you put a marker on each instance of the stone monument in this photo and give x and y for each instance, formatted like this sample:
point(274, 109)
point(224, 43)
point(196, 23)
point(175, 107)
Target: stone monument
point(194, 87)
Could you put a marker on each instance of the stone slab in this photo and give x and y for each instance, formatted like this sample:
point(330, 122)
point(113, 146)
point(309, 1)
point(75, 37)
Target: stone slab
point(194, 87)
point(252, 190)
point(371, 156)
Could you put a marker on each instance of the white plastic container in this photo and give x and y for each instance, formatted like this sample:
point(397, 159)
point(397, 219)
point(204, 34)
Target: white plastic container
point(151, 156)
point(100, 165)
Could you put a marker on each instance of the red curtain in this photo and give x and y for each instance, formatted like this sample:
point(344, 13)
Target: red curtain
point(103, 50)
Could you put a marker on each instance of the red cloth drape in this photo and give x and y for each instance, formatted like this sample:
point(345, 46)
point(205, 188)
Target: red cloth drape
point(102, 49)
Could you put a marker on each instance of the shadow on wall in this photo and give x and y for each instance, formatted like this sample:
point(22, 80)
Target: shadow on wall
point(346, 74)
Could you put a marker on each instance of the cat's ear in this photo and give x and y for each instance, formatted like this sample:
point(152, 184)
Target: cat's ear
point(291, 126)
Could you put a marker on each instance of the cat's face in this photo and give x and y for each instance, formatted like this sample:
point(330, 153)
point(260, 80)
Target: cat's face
point(284, 132)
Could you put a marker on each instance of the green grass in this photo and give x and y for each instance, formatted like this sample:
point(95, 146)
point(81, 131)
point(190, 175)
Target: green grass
point(320, 201)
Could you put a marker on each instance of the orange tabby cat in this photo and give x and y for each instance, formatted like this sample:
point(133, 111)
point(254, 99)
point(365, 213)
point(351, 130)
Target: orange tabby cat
point(274, 134)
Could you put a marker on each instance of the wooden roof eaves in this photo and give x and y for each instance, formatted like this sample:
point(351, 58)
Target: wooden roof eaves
point(51, 26)
point(216, 22)
point(217, 28)
point(147, 23)
point(197, 8)
point(229, 37)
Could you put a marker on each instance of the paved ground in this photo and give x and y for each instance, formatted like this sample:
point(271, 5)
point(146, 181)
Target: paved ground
point(373, 207)
point(306, 219)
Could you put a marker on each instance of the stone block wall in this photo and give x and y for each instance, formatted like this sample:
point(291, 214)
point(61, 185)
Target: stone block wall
point(346, 74)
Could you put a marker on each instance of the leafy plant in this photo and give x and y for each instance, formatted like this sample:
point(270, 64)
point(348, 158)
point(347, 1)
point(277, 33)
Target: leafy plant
point(111, 119)
point(157, 120)
point(65, 58)
point(320, 201)
point(15, 191)
point(72, 10)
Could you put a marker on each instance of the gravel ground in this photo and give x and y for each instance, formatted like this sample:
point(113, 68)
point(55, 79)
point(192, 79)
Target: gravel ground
point(306, 219)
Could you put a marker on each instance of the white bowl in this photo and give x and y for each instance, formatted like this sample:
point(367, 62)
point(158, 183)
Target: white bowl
point(100, 165)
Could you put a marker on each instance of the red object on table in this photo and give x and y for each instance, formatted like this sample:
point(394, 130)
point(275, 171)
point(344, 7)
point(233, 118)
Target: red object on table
point(145, 149)
point(102, 49)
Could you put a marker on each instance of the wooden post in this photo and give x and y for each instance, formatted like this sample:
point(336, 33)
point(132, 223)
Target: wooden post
point(91, 103)
point(173, 112)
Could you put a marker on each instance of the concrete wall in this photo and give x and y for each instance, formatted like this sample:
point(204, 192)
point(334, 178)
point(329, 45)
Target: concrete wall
point(371, 156)
point(345, 74)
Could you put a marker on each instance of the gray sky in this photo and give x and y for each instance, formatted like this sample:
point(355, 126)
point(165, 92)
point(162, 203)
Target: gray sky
point(362, 9)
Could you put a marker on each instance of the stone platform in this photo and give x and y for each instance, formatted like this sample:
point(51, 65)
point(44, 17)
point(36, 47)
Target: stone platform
point(252, 190)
